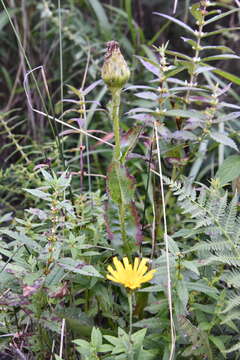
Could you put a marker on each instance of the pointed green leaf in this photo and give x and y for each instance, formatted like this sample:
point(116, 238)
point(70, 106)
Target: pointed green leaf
point(221, 57)
point(102, 17)
point(223, 139)
point(226, 75)
point(178, 22)
point(218, 17)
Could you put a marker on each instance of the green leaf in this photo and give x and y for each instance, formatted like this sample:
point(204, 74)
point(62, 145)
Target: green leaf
point(178, 22)
point(221, 31)
point(223, 139)
point(221, 57)
point(233, 348)
point(229, 169)
point(185, 114)
point(120, 184)
point(58, 357)
point(217, 341)
point(196, 12)
point(218, 17)
point(21, 238)
point(46, 175)
point(96, 338)
point(6, 217)
point(102, 18)
point(4, 18)
point(218, 47)
point(39, 194)
point(226, 75)
point(129, 140)
point(149, 323)
point(201, 287)
point(78, 267)
point(74, 90)
point(182, 292)
point(191, 265)
point(179, 55)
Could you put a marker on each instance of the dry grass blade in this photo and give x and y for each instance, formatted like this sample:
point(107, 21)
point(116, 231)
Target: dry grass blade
point(173, 335)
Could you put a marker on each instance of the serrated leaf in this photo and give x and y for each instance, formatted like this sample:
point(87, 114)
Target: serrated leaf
point(185, 114)
point(183, 135)
point(96, 338)
point(229, 169)
point(201, 287)
point(38, 193)
point(223, 139)
point(79, 267)
point(191, 265)
point(182, 292)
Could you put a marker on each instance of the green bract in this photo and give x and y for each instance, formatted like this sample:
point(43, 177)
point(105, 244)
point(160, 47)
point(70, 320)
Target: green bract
point(115, 71)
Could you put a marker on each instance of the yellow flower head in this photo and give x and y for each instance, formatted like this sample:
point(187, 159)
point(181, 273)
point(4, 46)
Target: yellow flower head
point(131, 276)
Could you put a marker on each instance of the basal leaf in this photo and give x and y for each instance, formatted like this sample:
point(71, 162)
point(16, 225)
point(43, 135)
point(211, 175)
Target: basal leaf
point(120, 184)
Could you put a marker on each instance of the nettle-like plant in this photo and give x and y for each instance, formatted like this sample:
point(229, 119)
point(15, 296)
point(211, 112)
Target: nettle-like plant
point(186, 95)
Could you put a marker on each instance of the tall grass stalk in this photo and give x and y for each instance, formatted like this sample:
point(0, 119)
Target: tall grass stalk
point(169, 290)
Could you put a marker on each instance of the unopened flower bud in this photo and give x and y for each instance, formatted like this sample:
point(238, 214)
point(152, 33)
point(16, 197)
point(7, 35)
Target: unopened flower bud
point(115, 72)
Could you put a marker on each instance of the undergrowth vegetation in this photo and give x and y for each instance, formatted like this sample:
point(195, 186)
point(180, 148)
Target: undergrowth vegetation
point(120, 180)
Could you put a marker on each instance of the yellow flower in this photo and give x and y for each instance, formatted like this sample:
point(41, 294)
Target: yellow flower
point(130, 276)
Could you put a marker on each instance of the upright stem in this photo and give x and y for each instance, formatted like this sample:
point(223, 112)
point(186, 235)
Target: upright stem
point(193, 77)
point(130, 354)
point(130, 314)
point(116, 94)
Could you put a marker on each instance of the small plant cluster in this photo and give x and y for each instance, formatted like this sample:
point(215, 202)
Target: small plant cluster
point(131, 251)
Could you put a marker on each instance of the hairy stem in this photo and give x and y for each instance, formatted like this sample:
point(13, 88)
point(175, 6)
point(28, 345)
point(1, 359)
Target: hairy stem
point(116, 94)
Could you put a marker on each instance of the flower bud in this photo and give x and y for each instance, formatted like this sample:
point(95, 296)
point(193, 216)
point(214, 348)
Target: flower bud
point(115, 72)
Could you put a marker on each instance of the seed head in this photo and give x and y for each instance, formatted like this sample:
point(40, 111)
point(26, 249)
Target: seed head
point(115, 72)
